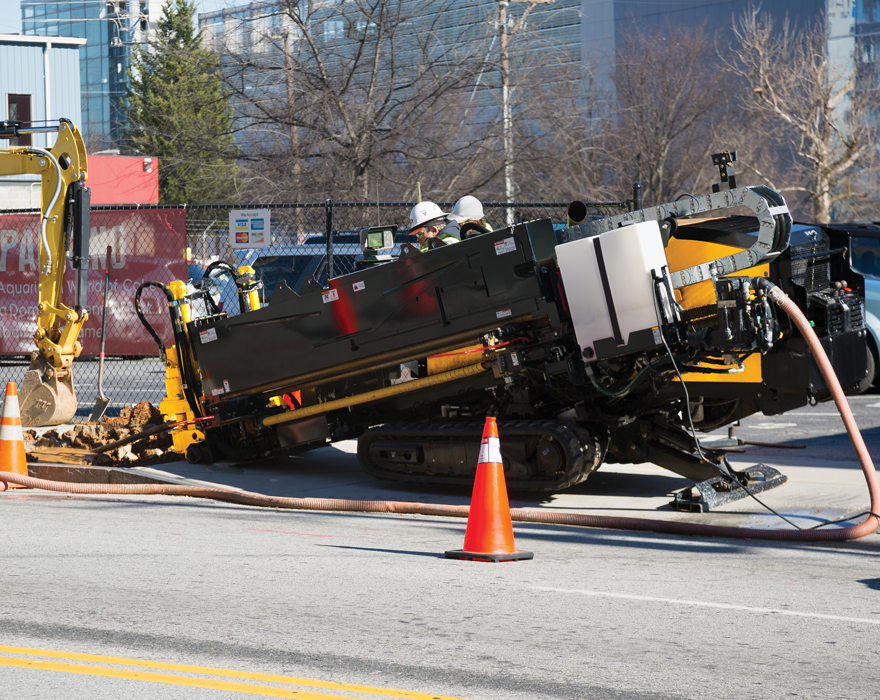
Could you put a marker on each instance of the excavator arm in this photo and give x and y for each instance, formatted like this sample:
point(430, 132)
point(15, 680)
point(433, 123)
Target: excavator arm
point(47, 393)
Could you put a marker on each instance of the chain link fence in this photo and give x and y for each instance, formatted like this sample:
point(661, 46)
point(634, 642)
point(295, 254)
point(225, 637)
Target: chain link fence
point(132, 244)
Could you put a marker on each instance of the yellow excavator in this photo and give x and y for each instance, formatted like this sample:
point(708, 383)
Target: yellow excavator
point(47, 392)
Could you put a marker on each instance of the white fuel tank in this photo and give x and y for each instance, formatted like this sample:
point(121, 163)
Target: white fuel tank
point(609, 287)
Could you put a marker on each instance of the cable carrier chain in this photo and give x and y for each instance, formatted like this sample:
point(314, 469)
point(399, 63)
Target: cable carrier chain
point(611, 340)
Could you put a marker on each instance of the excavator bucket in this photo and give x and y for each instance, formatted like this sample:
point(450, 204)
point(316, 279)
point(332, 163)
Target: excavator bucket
point(47, 396)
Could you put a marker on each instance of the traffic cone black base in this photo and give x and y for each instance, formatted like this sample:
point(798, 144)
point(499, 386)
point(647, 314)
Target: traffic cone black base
point(476, 556)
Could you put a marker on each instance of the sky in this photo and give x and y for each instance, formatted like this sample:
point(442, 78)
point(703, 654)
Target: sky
point(10, 12)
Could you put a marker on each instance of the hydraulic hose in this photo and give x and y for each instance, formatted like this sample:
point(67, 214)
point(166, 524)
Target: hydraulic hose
point(180, 339)
point(616, 393)
point(140, 312)
point(44, 241)
point(530, 516)
point(221, 265)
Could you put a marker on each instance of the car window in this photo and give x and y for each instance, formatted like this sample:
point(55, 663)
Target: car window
point(291, 264)
point(338, 239)
point(316, 266)
point(865, 255)
point(272, 269)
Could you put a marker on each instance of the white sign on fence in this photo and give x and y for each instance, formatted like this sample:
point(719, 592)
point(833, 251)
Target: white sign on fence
point(249, 228)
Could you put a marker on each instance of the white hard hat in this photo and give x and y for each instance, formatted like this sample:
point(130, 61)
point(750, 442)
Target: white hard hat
point(423, 212)
point(467, 208)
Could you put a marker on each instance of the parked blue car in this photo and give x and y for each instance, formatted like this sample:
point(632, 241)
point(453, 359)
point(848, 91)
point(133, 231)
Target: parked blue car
point(292, 264)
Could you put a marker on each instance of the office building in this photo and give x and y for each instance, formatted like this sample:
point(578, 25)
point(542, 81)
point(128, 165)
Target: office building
point(39, 81)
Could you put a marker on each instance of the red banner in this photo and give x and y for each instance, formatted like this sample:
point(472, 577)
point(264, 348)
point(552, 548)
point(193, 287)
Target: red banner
point(147, 244)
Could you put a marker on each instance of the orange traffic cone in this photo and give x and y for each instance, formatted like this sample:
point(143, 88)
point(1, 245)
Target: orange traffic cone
point(12, 457)
point(489, 534)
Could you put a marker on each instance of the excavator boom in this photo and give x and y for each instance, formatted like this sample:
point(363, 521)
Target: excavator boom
point(47, 391)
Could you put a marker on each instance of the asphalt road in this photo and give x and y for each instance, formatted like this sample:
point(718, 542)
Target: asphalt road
point(370, 601)
point(816, 431)
point(172, 598)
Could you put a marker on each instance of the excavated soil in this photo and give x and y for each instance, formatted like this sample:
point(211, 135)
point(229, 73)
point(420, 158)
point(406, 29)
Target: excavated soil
point(154, 449)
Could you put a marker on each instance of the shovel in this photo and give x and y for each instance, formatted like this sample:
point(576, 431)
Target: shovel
point(102, 401)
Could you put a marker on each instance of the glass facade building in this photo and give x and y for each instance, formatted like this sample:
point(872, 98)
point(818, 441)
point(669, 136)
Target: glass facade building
point(551, 37)
point(111, 29)
point(868, 37)
point(557, 24)
point(605, 21)
point(567, 31)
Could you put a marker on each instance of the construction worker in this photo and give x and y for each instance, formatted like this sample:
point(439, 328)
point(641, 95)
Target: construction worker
point(427, 220)
point(468, 212)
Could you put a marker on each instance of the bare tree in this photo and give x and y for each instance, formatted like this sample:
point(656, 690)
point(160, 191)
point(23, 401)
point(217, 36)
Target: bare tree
point(661, 113)
point(671, 110)
point(530, 102)
point(473, 165)
point(342, 99)
point(561, 152)
point(809, 105)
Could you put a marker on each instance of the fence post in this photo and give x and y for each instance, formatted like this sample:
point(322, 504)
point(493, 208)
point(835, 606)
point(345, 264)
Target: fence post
point(328, 209)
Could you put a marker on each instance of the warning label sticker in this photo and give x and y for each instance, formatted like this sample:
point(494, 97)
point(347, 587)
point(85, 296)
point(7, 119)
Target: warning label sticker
point(330, 295)
point(219, 390)
point(358, 286)
point(504, 313)
point(508, 245)
point(657, 337)
point(208, 335)
point(226, 384)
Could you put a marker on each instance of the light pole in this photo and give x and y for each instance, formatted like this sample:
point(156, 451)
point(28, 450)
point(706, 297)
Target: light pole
point(506, 119)
point(291, 98)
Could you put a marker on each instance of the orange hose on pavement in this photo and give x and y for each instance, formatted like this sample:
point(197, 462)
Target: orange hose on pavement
point(531, 516)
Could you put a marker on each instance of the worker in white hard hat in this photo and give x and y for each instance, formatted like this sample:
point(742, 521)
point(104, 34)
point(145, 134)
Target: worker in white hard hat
point(468, 212)
point(427, 220)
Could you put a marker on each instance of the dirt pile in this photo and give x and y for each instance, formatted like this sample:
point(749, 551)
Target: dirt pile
point(153, 449)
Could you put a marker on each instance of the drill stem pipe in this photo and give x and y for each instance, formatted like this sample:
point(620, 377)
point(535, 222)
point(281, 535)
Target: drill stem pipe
point(386, 392)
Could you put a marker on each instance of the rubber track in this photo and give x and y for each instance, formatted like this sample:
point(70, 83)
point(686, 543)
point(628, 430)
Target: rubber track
point(582, 450)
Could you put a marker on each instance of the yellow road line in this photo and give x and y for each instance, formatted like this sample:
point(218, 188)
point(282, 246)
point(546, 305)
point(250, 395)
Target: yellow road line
point(173, 680)
point(203, 670)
